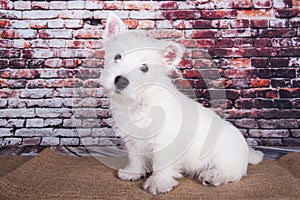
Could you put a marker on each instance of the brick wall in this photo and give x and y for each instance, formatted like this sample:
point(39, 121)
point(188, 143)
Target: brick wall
point(51, 58)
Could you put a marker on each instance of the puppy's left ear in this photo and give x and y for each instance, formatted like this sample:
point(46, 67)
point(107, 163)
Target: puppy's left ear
point(114, 26)
point(172, 53)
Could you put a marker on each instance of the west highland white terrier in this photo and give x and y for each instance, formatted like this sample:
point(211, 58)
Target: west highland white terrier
point(166, 134)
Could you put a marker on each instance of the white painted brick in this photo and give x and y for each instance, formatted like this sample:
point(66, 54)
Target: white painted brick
point(3, 103)
point(75, 14)
point(69, 141)
point(74, 23)
point(35, 122)
point(22, 5)
point(15, 123)
point(145, 14)
point(31, 141)
point(16, 103)
point(66, 132)
point(94, 5)
point(75, 4)
point(3, 123)
point(103, 132)
point(14, 113)
point(87, 141)
point(19, 43)
point(49, 141)
point(5, 132)
point(51, 103)
point(37, 93)
point(57, 33)
point(27, 33)
point(56, 23)
point(186, 5)
point(20, 24)
point(110, 141)
point(52, 122)
point(40, 14)
point(72, 122)
point(279, 4)
point(104, 14)
point(57, 43)
point(11, 141)
point(53, 112)
point(91, 122)
point(164, 24)
point(13, 14)
point(26, 132)
point(83, 132)
point(40, 5)
point(58, 5)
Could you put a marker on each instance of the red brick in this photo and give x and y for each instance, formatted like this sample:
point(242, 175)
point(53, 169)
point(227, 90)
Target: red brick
point(205, 43)
point(17, 63)
point(171, 5)
point(10, 53)
point(238, 73)
point(262, 42)
point(287, 12)
point(200, 34)
point(3, 63)
point(20, 73)
point(132, 24)
point(181, 14)
point(218, 14)
point(240, 23)
point(186, 64)
point(260, 62)
point(201, 24)
point(112, 5)
point(192, 74)
point(53, 63)
point(263, 23)
point(291, 51)
point(99, 54)
point(240, 62)
point(262, 3)
point(87, 34)
point(4, 23)
point(243, 42)
point(224, 42)
point(76, 43)
point(279, 62)
point(258, 14)
point(260, 82)
point(5, 43)
point(132, 6)
point(289, 93)
point(239, 33)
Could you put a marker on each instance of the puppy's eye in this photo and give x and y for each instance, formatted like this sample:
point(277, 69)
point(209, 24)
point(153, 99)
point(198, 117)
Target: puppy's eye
point(144, 68)
point(117, 57)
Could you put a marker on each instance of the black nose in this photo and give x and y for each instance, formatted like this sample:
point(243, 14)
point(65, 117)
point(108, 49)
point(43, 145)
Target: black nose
point(121, 82)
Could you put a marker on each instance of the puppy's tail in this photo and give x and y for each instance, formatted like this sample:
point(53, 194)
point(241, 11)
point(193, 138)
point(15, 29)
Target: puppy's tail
point(255, 156)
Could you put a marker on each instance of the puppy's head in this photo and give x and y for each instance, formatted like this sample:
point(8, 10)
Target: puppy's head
point(133, 60)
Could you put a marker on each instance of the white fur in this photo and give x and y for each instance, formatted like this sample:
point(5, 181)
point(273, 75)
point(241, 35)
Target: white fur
point(173, 147)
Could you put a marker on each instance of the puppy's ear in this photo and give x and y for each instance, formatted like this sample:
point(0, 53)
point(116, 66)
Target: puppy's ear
point(113, 27)
point(172, 53)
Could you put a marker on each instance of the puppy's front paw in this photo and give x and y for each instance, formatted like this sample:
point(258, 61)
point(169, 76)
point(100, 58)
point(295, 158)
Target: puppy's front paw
point(156, 185)
point(129, 176)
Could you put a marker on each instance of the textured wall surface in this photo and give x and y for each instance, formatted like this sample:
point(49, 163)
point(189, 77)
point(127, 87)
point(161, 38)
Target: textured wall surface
point(51, 57)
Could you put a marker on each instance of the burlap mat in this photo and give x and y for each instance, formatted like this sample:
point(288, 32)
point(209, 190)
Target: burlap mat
point(51, 175)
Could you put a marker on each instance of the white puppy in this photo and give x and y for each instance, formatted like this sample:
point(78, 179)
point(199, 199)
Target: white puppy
point(165, 132)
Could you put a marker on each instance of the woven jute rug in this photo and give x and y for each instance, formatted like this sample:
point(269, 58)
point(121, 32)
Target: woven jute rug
point(51, 175)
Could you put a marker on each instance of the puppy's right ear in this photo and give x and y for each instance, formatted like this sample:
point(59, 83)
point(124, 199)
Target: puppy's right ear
point(114, 26)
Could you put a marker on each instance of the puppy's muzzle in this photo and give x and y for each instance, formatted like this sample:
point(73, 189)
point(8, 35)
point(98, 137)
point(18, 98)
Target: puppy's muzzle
point(121, 82)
